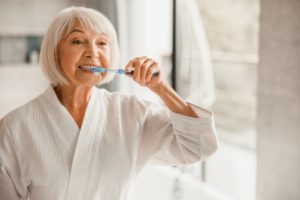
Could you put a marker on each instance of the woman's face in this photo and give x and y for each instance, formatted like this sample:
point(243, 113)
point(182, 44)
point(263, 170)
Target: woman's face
point(83, 47)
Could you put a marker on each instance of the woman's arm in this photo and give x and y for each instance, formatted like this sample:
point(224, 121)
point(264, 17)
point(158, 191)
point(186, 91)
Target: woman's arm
point(182, 136)
point(173, 101)
point(168, 138)
point(144, 68)
point(11, 184)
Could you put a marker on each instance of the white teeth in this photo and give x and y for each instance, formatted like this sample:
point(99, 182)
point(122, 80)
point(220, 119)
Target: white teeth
point(85, 67)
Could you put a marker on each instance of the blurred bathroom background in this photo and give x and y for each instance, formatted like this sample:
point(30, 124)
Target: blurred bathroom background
point(229, 56)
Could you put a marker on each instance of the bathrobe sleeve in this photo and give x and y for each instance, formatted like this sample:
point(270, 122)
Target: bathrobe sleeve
point(169, 138)
point(12, 186)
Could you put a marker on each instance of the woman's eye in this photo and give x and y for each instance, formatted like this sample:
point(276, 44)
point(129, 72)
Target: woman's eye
point(102, 43)
point(77, 42)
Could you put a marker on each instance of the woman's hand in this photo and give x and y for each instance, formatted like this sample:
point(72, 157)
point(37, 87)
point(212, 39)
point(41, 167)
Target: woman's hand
point(144, 68)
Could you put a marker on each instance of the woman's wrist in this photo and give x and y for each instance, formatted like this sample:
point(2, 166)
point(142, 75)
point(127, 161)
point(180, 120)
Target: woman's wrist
point(161, 88)
point(173, 101)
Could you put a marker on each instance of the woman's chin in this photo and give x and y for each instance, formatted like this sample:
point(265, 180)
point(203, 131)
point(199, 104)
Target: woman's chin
point(90, 78)
point(88, 82)
point(93, 82)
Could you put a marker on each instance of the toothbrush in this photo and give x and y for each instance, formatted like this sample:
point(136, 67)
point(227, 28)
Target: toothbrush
point(103, 70)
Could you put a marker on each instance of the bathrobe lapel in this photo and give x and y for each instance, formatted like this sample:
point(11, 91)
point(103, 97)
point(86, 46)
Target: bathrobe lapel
point(86, 150)
point(100, 166)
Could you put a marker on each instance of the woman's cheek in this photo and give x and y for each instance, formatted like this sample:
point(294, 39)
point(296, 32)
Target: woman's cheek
point(105, 59)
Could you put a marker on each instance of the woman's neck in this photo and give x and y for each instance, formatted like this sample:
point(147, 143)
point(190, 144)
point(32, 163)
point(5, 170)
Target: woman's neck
point(75, 99)
point(73, 96)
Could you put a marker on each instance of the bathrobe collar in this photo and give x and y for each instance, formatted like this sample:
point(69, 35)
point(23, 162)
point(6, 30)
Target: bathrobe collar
point(89, 134)
point(63, 112)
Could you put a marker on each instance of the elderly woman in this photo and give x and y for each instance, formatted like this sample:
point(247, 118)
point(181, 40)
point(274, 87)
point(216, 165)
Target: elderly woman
point(78, 142)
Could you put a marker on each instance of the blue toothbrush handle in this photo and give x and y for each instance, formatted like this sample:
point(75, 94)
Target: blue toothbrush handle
point(96, 69)
point(122, 71)
point(119, 71)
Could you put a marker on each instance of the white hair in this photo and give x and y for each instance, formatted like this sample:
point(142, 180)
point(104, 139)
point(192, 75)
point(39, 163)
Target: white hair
point(61, 26)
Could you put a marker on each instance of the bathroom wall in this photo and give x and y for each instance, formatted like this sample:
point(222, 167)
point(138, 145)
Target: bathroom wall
point(278, 120)
point(22, 25)
point(30, 17)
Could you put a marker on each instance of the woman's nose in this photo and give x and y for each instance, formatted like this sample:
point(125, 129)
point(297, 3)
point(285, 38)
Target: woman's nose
point(92, 51)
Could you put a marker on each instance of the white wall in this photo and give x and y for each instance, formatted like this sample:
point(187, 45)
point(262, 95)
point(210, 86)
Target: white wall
point(18, 85)
point(30, 17)
point(278, 137)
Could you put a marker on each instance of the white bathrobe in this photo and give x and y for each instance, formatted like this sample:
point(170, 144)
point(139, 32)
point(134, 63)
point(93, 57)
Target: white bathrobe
point(45, 156)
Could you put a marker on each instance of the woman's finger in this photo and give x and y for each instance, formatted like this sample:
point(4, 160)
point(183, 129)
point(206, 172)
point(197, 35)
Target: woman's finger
point(138, 62)
point(144, 69)
point(152, 69)
point(129, 66)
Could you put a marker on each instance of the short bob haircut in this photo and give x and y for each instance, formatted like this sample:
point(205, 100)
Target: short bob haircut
point(62, 26)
